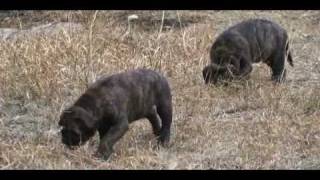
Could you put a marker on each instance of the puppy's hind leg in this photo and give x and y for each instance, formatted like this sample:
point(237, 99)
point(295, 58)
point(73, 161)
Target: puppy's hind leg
point(245, 69)
point(155, 121)
point(164, 110)
point(277, 67)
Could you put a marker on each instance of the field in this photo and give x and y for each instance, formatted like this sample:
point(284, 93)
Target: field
point(251, 124)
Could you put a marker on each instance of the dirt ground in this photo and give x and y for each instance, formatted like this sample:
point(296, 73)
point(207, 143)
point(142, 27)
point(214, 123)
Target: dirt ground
point(247, 125)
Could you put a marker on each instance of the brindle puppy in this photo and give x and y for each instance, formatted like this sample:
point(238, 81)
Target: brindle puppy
point(251, 41)
point(112, 103)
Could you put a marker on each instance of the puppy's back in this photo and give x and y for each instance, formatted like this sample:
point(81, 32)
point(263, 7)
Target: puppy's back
point(132, 80)
point(256, 28)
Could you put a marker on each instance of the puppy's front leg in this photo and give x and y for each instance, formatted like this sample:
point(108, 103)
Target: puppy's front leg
point(115, 132)
point(245, 68)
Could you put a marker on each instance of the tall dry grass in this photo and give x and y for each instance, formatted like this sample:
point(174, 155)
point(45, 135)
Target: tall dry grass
point(247, 125)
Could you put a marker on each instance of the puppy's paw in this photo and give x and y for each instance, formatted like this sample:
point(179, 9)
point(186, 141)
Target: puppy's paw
point(103, 155)
point(104, 152)
point(164, 142)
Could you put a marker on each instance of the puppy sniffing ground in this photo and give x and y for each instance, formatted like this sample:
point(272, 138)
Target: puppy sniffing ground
point(251, 41)
point(112, 103)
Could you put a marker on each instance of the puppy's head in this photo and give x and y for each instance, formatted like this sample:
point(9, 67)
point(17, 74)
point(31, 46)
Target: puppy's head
point(78, 125)
point(214, 73)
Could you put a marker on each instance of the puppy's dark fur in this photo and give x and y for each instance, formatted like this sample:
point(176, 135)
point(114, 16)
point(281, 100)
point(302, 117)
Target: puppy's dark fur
point(251, 41)
point(112, 103)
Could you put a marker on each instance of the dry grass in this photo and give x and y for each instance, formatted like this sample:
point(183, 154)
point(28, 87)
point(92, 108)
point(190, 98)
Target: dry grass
point(248, 125)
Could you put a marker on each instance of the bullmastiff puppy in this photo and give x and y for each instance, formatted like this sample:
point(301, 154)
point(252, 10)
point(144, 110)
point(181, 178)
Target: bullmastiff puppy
point(251, 41)
point(111, 103)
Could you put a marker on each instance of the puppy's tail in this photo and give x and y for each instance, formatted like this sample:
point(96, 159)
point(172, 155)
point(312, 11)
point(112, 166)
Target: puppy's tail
point(288, 54)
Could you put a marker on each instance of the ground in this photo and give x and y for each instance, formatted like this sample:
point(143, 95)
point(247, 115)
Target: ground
point(248, 125)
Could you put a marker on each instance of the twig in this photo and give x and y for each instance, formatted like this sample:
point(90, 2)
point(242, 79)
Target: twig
point(162, 21)
point(180, 24)
point(237, 109)
point(89, 58)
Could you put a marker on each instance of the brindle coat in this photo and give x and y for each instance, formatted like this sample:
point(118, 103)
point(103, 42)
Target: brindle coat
point(112, 103)
point(251, 41)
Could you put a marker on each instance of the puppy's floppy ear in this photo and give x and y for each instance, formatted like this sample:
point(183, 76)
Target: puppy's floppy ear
point(90, 122)
point(207, 73)
point(63, 116)
point(86, 117)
